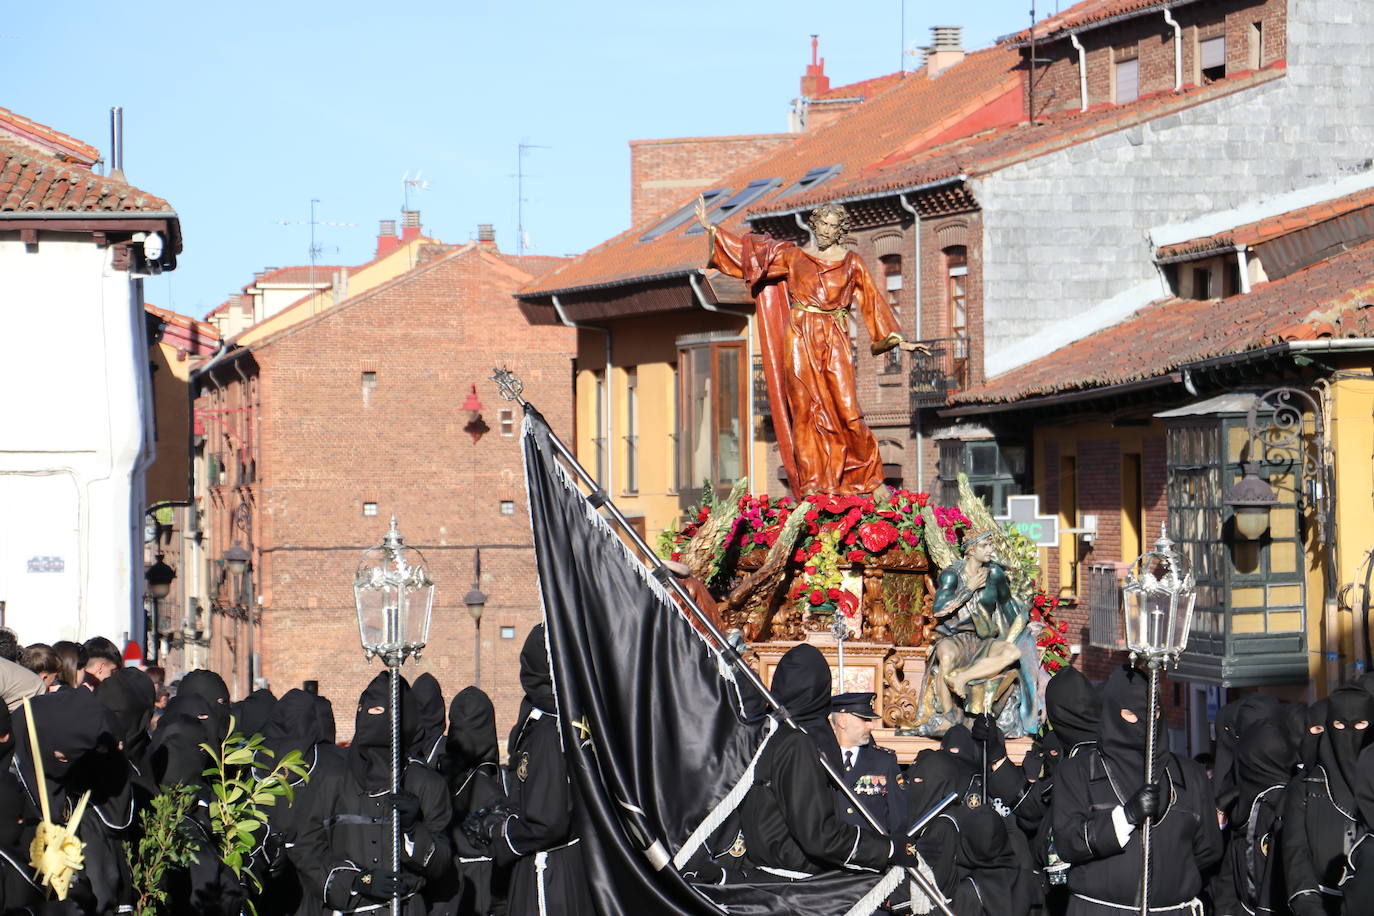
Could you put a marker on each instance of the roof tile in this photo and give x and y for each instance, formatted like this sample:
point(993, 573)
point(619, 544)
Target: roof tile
point(32, 182)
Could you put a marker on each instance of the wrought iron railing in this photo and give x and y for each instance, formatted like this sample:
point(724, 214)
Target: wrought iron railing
point(1103, 581)
point(941, 373)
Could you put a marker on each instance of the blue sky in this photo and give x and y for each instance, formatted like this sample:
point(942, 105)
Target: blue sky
point(240, 113)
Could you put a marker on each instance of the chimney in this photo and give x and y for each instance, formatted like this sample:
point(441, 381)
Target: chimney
point(486, 232)
point(386, 237)
point(117, 143)
point(946, 49)
point(815, 82)
point(410, 225)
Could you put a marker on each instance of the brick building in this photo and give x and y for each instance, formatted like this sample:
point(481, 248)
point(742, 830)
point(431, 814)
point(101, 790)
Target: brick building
point(368, 409)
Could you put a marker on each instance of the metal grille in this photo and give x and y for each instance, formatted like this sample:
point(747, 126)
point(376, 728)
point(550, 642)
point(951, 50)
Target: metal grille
point(1104, 606)
point(936, 376)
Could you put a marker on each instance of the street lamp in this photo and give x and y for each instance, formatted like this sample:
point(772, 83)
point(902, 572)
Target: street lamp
point(476, 600)
point(236, 558)
point(395, 599)
point(1157, 604)
point(1251, 499)
point(159, 578)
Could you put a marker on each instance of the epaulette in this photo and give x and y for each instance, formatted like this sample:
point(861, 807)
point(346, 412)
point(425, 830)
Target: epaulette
point(886, 750)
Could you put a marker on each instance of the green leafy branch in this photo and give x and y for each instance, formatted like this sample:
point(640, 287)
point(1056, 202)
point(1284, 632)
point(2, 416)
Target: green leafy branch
point(239, 798)
point(163, 846)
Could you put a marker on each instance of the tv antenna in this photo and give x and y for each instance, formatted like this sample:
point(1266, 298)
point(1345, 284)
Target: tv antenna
point(315, 248)
point(522, 148)
point(413, 183)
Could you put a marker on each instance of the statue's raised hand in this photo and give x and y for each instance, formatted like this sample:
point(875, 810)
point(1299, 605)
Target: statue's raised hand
point(701, 212)
point(915, 346)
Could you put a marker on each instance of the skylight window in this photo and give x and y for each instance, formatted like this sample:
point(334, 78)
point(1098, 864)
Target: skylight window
point(681, 216)
point(811, 179)
point(750, 193)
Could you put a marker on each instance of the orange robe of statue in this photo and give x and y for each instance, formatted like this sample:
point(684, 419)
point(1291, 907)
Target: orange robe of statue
point(803, 304)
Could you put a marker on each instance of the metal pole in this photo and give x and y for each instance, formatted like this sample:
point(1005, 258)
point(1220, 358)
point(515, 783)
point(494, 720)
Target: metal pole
point(477, 653)
point(395, 781)
point(1149, 781)
point(661, 572)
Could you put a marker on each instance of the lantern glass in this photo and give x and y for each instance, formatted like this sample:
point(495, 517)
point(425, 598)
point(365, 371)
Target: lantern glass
point(395, 599)
point(1252, 522)
point(1158, 599)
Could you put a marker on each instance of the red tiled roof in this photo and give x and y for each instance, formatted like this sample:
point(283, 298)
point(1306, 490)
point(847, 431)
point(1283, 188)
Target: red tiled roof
point(201, 328)
point(1265, 230)
point(299, 274)
point(913, 109)
point(31, 182)
point(864, 89)
point(49, 141)
point(990, 150)
point(1333, 298)
point(1087, 13)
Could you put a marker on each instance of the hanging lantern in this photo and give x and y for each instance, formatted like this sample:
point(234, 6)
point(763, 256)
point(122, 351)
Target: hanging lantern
point(1158, 601)
point(395, 599)
point(1251, 499)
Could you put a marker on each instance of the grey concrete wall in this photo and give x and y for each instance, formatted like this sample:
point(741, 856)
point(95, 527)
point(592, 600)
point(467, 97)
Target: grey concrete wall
point(1066, 231)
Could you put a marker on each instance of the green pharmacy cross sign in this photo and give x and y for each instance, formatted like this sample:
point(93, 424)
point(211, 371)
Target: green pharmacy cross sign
point(1024, 513)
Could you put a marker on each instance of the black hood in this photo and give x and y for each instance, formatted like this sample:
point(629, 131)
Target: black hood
point(294, 726)
point(71, 723)
point(1233, 721)
point(1265, 757)
point(802, 684)
point(1364, 785)
point(534, 672)
point(471, 730)
point(932, 776)
point(369, 755)
point(429, 699)
point(129, 696)
point(1073, 707)
point(176, 755)
point(958, 740)
point(1314, 723)
point(986, 854)
point(210, 687)
point(325, 710)
point(1122, 743)
point(1052, 753)
point(1340, 748)
point(252, 713)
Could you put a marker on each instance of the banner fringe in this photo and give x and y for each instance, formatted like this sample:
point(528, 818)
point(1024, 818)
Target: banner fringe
point(727, 805)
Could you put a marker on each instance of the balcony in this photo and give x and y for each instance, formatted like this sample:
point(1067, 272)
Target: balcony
point(942, 373)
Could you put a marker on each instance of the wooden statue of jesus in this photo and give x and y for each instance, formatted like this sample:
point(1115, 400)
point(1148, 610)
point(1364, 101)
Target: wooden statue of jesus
point(803, 298)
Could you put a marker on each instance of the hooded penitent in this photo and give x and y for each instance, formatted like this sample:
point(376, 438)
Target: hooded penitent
point(932, 776)
point(801, 683)
point(294, 726)
point(74, 737)
point(959, 742)
point(369, 756)
point(129, 696)
point(1265, 757)
point(252, 713)
point(1073, 708)
point(1233, 721)
point(429, 699)
point(175, 755)
point(986, 854)
point(1342, 742)
point(210, 687)
point(534, 672)
point(1122, 742)
point(1314, 723)
point(1364, 785)
point(471, 730)
point(325, 710)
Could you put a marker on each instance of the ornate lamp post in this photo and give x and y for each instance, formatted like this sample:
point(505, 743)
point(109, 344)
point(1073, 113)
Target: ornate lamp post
point(159, 578)
point(1158, 598)
point(476, 600)
point(395, 598)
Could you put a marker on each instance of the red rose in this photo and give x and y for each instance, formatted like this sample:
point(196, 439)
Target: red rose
point(799, 556)
point(833, 594)
point(812, 515)
point(849, 603)
point(703, 515)
point(1039, 601)
point(817, 597)
point(810, 570)
point(922, 499)
point(851, 539)
point(909, 537)
point(877, 536)
point(856, 556)
point(676, 557)
point(812, 529)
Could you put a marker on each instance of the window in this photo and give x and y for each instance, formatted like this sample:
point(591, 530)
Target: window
point(599, 437)
point(683, 215)
point(892, 282)
point(369, 379)
point(713, 384)
point(811, 179)
point(1127, 80)
point(1212, 58)
point(507, 507)
point(1255, 49)
point(632, 429)
point(994, 471)
point(751, 192)
point(369, 508)
point(508, 632)
point(507, 422)
point(956, 310)
point(1202, 283)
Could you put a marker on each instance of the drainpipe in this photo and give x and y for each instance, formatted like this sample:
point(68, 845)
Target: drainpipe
point(1082, 70)
point(749, 362)
point(610, 418)
point(916, 414)
point(1178, 47)
point(1244, 265)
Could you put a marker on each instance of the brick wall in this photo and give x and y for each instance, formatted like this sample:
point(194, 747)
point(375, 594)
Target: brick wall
point(664, 174)
point(330, 444)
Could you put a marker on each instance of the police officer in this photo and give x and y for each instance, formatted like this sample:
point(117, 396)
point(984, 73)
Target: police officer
point(871, 771)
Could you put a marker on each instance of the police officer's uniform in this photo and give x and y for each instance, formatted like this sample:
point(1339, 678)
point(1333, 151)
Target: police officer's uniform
point(872, 772)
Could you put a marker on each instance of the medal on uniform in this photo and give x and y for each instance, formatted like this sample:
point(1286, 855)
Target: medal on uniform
point(522, 771)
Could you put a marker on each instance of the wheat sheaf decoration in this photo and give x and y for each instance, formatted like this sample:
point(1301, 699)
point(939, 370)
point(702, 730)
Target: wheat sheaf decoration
point(56, 854)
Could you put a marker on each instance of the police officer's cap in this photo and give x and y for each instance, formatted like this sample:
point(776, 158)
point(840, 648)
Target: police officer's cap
point(859, 704)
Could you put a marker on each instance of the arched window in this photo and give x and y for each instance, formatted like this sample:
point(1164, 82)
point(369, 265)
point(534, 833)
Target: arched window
point(956, 310)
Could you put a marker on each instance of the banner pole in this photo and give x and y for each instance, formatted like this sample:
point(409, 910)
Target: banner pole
point(510, 390)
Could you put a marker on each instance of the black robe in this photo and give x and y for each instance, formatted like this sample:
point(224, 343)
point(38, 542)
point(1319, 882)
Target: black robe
point(1320, 819)
point(1091, 785)
point(1265, 755)
point(470, 766)
point(1359, 888)
point(429, 698)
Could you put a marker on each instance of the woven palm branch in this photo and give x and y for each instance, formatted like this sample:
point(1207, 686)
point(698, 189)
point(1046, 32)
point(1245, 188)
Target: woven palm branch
point(940, 551)
point(1006, 551)
point(704, 551)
